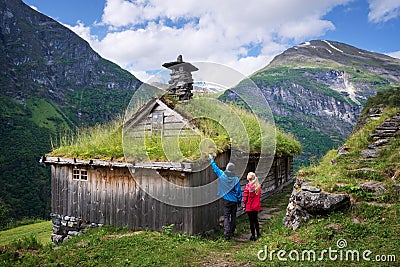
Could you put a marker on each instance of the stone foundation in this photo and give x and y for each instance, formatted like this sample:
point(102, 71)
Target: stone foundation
point(64, 227)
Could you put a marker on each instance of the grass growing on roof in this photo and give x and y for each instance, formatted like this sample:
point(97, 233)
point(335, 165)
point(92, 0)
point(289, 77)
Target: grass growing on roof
point(221, 127)
point(103, 141)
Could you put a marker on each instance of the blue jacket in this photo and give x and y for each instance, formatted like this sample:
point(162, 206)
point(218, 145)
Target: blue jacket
point(228, 184)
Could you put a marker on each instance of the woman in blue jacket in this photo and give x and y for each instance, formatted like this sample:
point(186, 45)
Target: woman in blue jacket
point(231, 192)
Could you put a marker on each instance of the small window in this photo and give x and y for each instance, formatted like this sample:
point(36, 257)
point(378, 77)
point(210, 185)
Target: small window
point(84, 175)
point(80, 174)
point(76, 174)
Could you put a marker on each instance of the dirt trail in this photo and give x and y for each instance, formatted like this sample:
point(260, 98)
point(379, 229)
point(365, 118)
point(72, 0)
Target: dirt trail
point(274, 206)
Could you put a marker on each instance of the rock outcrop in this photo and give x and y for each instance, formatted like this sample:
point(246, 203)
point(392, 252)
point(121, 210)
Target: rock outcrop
point(316, 90)
point(44, 59)
point(306, 201)
point(292, 99)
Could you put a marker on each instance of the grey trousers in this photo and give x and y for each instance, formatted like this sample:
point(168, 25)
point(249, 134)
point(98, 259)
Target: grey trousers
point(230, 209)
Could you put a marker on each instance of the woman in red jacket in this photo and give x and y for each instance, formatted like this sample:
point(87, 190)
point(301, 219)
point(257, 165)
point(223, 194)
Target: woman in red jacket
point(252, 201)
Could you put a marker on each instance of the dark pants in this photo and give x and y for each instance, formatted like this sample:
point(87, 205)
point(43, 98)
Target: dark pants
point(254, 225)
point(230, 209)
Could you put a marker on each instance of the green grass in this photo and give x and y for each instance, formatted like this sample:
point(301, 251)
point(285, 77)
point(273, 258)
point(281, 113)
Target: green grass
point(364, 227)
point(41, 230)
point(219, 129)
point(345, 173)
point(389, 98)
point(45, 115)
point(101, 141)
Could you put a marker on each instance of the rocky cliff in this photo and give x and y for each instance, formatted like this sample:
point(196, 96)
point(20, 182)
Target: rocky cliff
point(317, 89)
point(51, 81)
point(41, 58)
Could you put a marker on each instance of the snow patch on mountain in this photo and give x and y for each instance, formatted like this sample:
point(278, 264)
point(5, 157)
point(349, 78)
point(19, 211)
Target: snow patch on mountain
point(334, 47)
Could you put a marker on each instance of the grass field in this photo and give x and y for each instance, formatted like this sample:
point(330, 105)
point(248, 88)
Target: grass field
point(364, 227)
point(41, 230)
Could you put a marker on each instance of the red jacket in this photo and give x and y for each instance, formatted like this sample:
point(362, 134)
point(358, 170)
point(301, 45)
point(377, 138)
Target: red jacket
point(251, 199)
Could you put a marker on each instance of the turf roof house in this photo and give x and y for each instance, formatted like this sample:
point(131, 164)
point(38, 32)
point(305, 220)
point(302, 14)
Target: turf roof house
point(109, 192)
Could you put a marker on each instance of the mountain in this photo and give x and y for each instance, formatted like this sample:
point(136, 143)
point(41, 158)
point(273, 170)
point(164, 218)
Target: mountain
point(369, 230)
point(316, 90)
point(51, 82)
point(43, 59)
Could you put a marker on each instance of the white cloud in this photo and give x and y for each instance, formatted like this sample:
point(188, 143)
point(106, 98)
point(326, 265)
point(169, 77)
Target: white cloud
point(83, 32)
point(144, 34)
point(141, 75)
point(306, 28)
point(383, 10)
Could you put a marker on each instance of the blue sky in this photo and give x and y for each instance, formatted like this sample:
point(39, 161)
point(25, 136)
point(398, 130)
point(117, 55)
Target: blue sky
point(245, 35)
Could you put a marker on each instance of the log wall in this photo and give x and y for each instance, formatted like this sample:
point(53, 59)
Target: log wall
point(111, 195)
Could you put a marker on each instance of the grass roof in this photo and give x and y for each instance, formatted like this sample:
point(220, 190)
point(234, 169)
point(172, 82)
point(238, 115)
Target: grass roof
point(221, 128)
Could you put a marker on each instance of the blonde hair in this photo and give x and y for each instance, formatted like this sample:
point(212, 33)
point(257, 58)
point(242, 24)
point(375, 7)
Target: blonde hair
point(252, 178)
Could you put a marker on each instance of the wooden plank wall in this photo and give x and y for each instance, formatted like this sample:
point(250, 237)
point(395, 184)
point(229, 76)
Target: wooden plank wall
point(113, 196)
point(172, 125)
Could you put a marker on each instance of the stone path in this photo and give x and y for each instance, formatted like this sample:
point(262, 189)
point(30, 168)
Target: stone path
point(382, 136)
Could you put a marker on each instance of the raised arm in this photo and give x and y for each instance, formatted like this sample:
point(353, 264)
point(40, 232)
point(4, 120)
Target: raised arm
point(214, 166)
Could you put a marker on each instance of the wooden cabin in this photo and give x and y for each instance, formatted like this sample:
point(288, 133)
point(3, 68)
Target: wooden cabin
point(106, 192)
point(135, 194)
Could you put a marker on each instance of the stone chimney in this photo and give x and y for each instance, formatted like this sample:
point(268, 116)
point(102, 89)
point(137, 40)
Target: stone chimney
point(181, 82)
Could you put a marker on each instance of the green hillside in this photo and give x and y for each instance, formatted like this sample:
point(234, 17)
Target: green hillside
point(364, 227)
point(41, 231)
point(347, 171)
point(364, 235)
point(25, 135)
point(316, 92)
point(315, 133)
point(51, 83)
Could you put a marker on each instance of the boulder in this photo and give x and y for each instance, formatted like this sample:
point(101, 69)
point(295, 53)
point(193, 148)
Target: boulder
point(378, 143)
point(342, 151)
point(369, 153)
point(319, 203)
point(74, 233)
point(306, 201)
point(377, 188)
point(311, 189)
point(57, 238)
point(295, 216)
